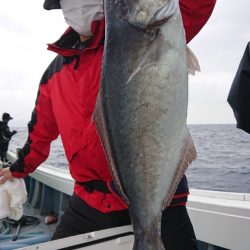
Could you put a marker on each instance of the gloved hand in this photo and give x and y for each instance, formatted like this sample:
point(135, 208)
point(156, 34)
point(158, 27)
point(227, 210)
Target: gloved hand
point(5, 175)
point(14, 132)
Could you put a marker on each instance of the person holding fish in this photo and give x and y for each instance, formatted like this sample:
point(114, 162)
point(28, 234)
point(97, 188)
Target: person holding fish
point(65, 105)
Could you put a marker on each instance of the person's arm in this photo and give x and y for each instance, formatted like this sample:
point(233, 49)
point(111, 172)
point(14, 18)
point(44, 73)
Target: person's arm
point(239, 94)
point(195, 15)
point(42, 131)
point(13, 132)
point(6, 132)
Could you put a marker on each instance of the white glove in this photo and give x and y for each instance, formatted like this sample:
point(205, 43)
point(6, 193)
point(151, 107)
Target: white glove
point(13, 195)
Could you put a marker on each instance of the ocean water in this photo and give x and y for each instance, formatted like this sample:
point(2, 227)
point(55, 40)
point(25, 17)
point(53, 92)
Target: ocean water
point(223, 161)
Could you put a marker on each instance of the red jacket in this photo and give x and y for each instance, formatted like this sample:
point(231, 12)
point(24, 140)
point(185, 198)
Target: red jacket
point(65, 103)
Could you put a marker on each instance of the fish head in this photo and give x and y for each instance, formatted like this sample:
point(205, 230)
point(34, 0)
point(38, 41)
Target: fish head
point(145, 13)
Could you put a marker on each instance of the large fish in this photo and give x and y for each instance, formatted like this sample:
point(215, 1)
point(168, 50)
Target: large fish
point(141, 109)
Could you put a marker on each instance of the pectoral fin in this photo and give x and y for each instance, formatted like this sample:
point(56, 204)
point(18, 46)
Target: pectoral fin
point(192, 61)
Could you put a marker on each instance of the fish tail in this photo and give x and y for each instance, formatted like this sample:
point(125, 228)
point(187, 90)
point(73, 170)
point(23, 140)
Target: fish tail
point(142, 242)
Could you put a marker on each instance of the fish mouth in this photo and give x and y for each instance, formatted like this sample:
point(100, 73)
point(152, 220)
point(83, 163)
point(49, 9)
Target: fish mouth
point(158, 23)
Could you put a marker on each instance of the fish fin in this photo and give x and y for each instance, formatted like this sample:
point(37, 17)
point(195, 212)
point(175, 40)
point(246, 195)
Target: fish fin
point(192, 61)
point(99, 121)
point(188, 154)
point(149, 239)
point(144, 243)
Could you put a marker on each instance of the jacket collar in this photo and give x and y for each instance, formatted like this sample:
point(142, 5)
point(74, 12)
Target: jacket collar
point(65, 44)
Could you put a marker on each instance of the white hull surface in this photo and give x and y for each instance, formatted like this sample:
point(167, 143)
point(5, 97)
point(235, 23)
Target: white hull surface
point(221, 220)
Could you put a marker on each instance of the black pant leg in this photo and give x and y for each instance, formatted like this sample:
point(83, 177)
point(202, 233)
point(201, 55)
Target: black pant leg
point(80, 218)
point(177, 230)
point(3, 150)
point(4, 157)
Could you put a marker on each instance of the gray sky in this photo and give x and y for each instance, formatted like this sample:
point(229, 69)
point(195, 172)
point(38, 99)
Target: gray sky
point(26, 29)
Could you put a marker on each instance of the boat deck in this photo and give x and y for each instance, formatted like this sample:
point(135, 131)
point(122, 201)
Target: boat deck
point(221, 220)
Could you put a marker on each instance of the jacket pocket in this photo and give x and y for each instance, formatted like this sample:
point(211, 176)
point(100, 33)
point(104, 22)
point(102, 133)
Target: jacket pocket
point(76, 143)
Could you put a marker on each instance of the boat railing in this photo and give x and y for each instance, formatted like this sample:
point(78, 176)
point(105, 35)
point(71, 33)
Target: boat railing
point(221, 220)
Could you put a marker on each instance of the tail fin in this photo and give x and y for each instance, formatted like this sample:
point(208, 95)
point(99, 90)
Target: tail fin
point(143, 243)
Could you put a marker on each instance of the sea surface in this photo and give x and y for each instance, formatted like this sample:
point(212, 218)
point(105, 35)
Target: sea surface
point(223, 161)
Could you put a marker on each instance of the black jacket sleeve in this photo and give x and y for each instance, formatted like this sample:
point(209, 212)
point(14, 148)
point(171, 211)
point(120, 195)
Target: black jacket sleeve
point(6, 134)
point(239, 94)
